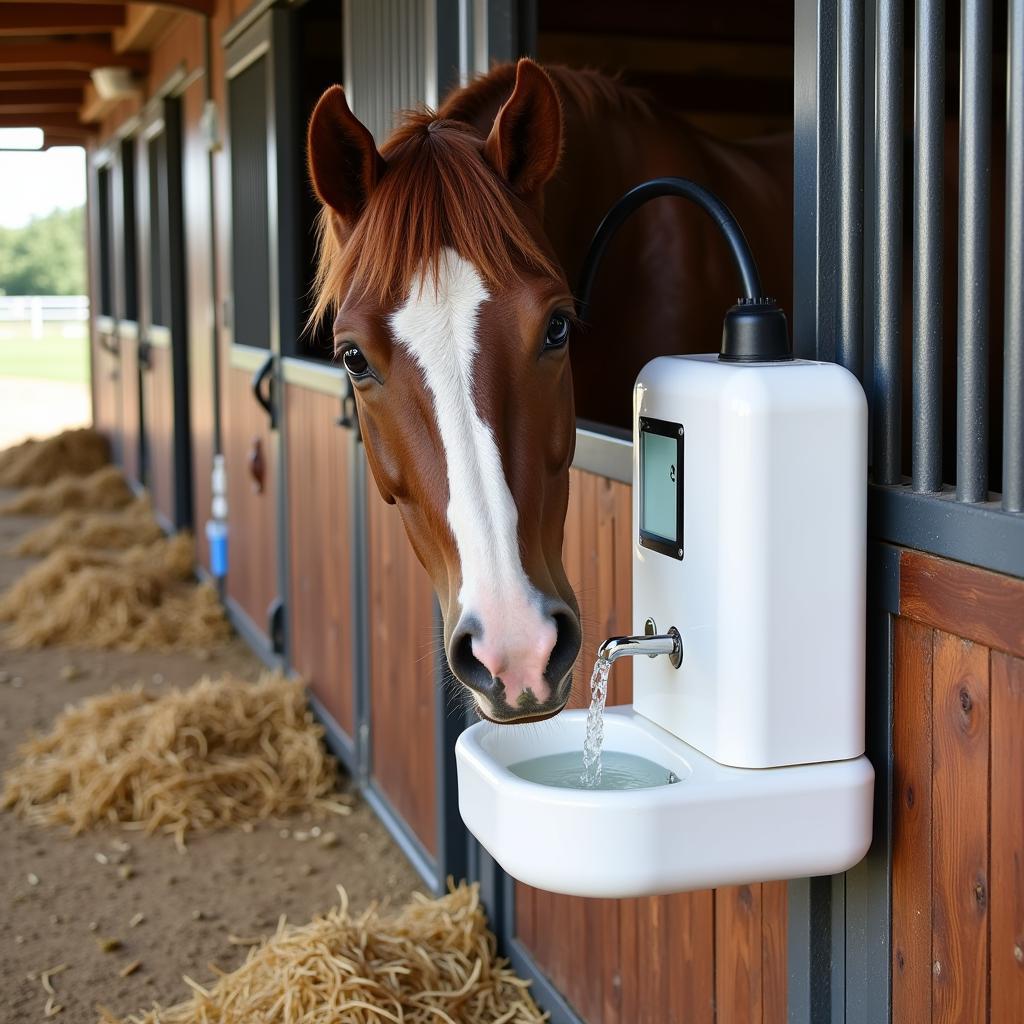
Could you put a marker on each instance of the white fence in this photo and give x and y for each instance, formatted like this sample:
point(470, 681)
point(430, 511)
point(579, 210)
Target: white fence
point(38, 310)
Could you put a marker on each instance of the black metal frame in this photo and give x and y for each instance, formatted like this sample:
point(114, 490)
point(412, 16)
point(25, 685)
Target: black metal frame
point(163, 121)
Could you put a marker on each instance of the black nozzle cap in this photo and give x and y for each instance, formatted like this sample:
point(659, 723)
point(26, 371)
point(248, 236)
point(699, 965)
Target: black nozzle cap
point(755, 331)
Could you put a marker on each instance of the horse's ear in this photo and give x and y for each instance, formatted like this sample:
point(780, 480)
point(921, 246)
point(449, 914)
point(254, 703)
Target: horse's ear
point(344, 164)
point(526, 138)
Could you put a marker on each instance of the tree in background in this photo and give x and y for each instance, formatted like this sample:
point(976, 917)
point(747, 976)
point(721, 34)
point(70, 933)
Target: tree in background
point(46, 256)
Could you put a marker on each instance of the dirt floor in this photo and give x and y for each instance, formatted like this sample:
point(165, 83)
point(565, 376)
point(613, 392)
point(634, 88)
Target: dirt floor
point(61, 896)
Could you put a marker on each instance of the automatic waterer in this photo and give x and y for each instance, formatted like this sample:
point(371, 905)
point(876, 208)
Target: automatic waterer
point(749, 532)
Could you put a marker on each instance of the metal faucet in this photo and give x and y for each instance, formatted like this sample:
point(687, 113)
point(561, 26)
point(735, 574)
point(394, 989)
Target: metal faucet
point(652, 643)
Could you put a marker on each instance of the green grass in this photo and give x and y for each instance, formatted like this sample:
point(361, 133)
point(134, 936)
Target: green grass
point(51, 357)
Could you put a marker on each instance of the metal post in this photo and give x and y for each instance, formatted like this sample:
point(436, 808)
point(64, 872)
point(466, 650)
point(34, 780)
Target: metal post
point(850, 313)
point(973, 251)
point(929, 134)
point(1013, 343)
point(814, 180)
point(888, 244)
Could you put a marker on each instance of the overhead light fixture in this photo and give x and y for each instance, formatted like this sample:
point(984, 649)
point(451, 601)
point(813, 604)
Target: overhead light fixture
point(21, 138)
point(114, 83)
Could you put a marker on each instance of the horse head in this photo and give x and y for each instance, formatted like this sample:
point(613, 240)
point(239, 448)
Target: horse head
point(452, 317)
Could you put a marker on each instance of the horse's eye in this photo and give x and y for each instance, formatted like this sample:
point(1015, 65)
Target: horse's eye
point(355, 362)
point(558, 331)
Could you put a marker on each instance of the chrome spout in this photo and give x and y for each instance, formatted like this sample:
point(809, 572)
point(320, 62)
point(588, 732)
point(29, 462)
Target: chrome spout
point(652, 644)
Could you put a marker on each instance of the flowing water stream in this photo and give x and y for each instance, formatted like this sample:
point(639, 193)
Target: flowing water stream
point(592, 766)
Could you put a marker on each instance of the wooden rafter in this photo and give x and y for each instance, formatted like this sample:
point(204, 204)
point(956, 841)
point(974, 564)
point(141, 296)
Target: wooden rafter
point(66, 124)
point(67, 56)
point(32, 101)
point(24, 19)
point(42, 81)
point(195, 6)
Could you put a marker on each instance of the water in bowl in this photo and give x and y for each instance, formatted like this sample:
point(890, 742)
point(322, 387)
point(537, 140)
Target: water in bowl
point(618, 771)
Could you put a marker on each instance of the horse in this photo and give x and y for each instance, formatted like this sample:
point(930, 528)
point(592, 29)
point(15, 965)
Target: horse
point(446, 258)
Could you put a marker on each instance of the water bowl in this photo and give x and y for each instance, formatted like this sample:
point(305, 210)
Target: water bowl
point(713, 825)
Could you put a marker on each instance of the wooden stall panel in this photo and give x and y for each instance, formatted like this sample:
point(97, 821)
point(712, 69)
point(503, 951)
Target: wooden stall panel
point(320, 530)
point(1007, 880)
point(647, 961)
point(131, 420)
point(106, 391)
point(252, 514)
point(912, 823)
point(958, 828)
point(402, 650)
point(158, 403)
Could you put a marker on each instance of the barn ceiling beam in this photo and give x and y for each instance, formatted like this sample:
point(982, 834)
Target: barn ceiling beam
point(195, 6)
point(65, 124)
point(25, 19)
point(67, 56)
point(42, 81)
point(144, 24)
point(33, 101)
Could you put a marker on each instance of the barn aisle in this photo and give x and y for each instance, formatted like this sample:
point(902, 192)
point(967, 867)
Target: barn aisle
point(101, 901)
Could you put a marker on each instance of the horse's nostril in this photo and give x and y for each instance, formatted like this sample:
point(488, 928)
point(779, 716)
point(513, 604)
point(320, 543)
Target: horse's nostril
point(465, 664)
point(566, 650)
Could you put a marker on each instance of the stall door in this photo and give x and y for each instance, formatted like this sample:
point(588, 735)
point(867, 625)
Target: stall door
point(259, 262)
point(163, 342)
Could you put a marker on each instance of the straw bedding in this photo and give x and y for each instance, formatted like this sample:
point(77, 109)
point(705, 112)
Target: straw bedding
point(138, 599)
point(432, 962)
point(220, 752)
point(109, 531)
point(70, 453)
point(105, 489)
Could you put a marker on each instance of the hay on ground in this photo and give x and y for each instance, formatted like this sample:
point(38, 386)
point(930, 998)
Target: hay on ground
point(434, 962)
point(220, 752)
point(142, 598)
point(70, 453)
point(108, 531)
point(106, 489)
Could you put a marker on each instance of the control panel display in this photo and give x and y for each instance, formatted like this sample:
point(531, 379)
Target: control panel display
point(661, 486)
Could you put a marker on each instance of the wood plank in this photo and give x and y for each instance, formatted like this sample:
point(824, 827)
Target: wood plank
point(59, 18)
point(144, 25)
point(687, 968)
point(912, 824)
point(71, 56)
point(960, 804)
point(738, 980)
point(1007, 953)
point(963, 600)
point(774, 961)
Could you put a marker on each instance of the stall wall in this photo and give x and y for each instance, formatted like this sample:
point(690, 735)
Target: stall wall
point(958, 795)
point(320, 614)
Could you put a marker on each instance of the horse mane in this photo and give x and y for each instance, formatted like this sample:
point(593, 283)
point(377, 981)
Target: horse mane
point(437, 192)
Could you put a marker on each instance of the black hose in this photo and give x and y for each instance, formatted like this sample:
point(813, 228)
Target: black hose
point(654, 189)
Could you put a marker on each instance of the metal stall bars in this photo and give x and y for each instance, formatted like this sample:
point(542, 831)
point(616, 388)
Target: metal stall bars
point(840, 928)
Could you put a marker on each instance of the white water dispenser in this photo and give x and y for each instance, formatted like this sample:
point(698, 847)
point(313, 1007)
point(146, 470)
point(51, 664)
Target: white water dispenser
point(749, 534)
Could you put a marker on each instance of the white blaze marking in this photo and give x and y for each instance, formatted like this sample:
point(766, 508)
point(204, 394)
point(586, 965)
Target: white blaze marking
point(438, 327)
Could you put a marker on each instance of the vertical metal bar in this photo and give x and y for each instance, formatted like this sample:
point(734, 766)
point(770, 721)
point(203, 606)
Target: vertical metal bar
point(929, 136)
point(888, 244)
point(814, 179)
point(973, 251)
point(850, 312)
point(1013, 316)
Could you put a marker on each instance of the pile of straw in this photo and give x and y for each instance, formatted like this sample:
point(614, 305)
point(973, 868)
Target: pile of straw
point(71, 453)
point(142, 598)
point(432, 963)
point(104, 489)
point(108, 531)
point(220, 752)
